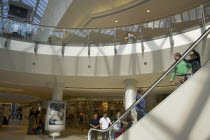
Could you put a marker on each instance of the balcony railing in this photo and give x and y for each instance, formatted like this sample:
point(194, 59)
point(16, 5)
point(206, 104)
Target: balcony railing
point(185, 20)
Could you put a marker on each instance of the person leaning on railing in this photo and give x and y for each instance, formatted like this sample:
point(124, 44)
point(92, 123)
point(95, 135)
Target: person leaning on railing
point(181, 71)
point(129, 37)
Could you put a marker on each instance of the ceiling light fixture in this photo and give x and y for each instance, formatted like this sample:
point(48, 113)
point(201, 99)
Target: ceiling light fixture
point(116, 21)
point(148, 11)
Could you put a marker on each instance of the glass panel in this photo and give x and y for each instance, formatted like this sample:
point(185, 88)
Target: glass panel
point(185, 16)
point(164, 23)
point(102, 36)
point(177, 18)
point(192, 14)
point(30, 32)
point(14, 29)
point(199, 12)
point(1, 26)
point(48, 35)
point(188, 20)
point(207, 12)
point(77, 36)
point(155, 29)
point(57, 36)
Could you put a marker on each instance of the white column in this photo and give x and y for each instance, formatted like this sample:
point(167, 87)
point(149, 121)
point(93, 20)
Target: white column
point(57, 94)
point(130, 96)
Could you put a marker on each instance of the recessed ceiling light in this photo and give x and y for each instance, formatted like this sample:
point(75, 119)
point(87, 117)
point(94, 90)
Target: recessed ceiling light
point(116, 21)
point(148, 11)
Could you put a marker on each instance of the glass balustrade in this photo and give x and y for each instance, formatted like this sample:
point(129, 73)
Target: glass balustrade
point(192, 18)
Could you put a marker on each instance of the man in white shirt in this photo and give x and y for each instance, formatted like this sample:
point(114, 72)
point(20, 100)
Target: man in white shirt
point(104, 124)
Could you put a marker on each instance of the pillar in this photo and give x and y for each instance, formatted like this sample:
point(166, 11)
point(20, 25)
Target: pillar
point(57, 95)
point(130, 96)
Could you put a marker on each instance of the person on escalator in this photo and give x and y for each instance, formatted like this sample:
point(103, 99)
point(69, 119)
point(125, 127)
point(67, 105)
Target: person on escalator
point(118, 126)
point(140, 107)
point(194, 61)
point(181, 71)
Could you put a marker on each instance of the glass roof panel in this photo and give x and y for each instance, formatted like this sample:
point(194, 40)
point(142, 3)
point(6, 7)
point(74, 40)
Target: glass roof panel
point(38, 6)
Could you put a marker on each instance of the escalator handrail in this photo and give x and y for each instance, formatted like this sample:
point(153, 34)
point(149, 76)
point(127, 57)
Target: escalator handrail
point(205, 34)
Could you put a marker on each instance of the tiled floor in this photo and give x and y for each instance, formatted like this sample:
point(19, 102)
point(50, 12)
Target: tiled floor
point(18, 132)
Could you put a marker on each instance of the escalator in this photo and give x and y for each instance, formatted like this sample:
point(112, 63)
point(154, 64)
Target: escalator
point(184, 114)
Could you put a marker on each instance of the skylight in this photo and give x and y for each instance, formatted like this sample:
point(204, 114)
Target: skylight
point(39, 7)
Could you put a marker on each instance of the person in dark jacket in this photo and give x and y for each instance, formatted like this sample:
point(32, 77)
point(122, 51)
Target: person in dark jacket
point(95, 124)
point(194, 61)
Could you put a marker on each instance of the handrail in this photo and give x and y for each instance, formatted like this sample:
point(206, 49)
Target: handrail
point(157, 82)
point(106, 27)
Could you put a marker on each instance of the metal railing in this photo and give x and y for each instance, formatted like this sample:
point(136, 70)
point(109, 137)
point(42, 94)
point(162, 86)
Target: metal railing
point(203, 36)
point(192, 17)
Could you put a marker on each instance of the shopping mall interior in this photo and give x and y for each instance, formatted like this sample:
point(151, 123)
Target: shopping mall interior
point(104, 69)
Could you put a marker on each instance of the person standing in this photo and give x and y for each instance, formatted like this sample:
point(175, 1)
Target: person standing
point(194, 61)
point(81, 121)
point(129, 121)
point(104, 124)
point(95, 124)
point(32, 121)
point(117, 126)
point(131, 37)
point(181, 71)
point(140, 107)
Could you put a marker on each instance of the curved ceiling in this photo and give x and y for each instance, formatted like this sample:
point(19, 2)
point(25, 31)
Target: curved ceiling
point(95, 13)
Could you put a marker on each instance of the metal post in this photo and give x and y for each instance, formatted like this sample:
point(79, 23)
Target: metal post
point(63, 49)
point(170, 32)
point(89, 42)
point(64, 31)
point(115, 40)
point(36, 47)
point(142, 38)
point(203, 18)
point(203, 27)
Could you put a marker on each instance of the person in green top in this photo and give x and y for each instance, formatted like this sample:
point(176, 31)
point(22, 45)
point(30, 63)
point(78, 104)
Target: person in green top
point(181, 71)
